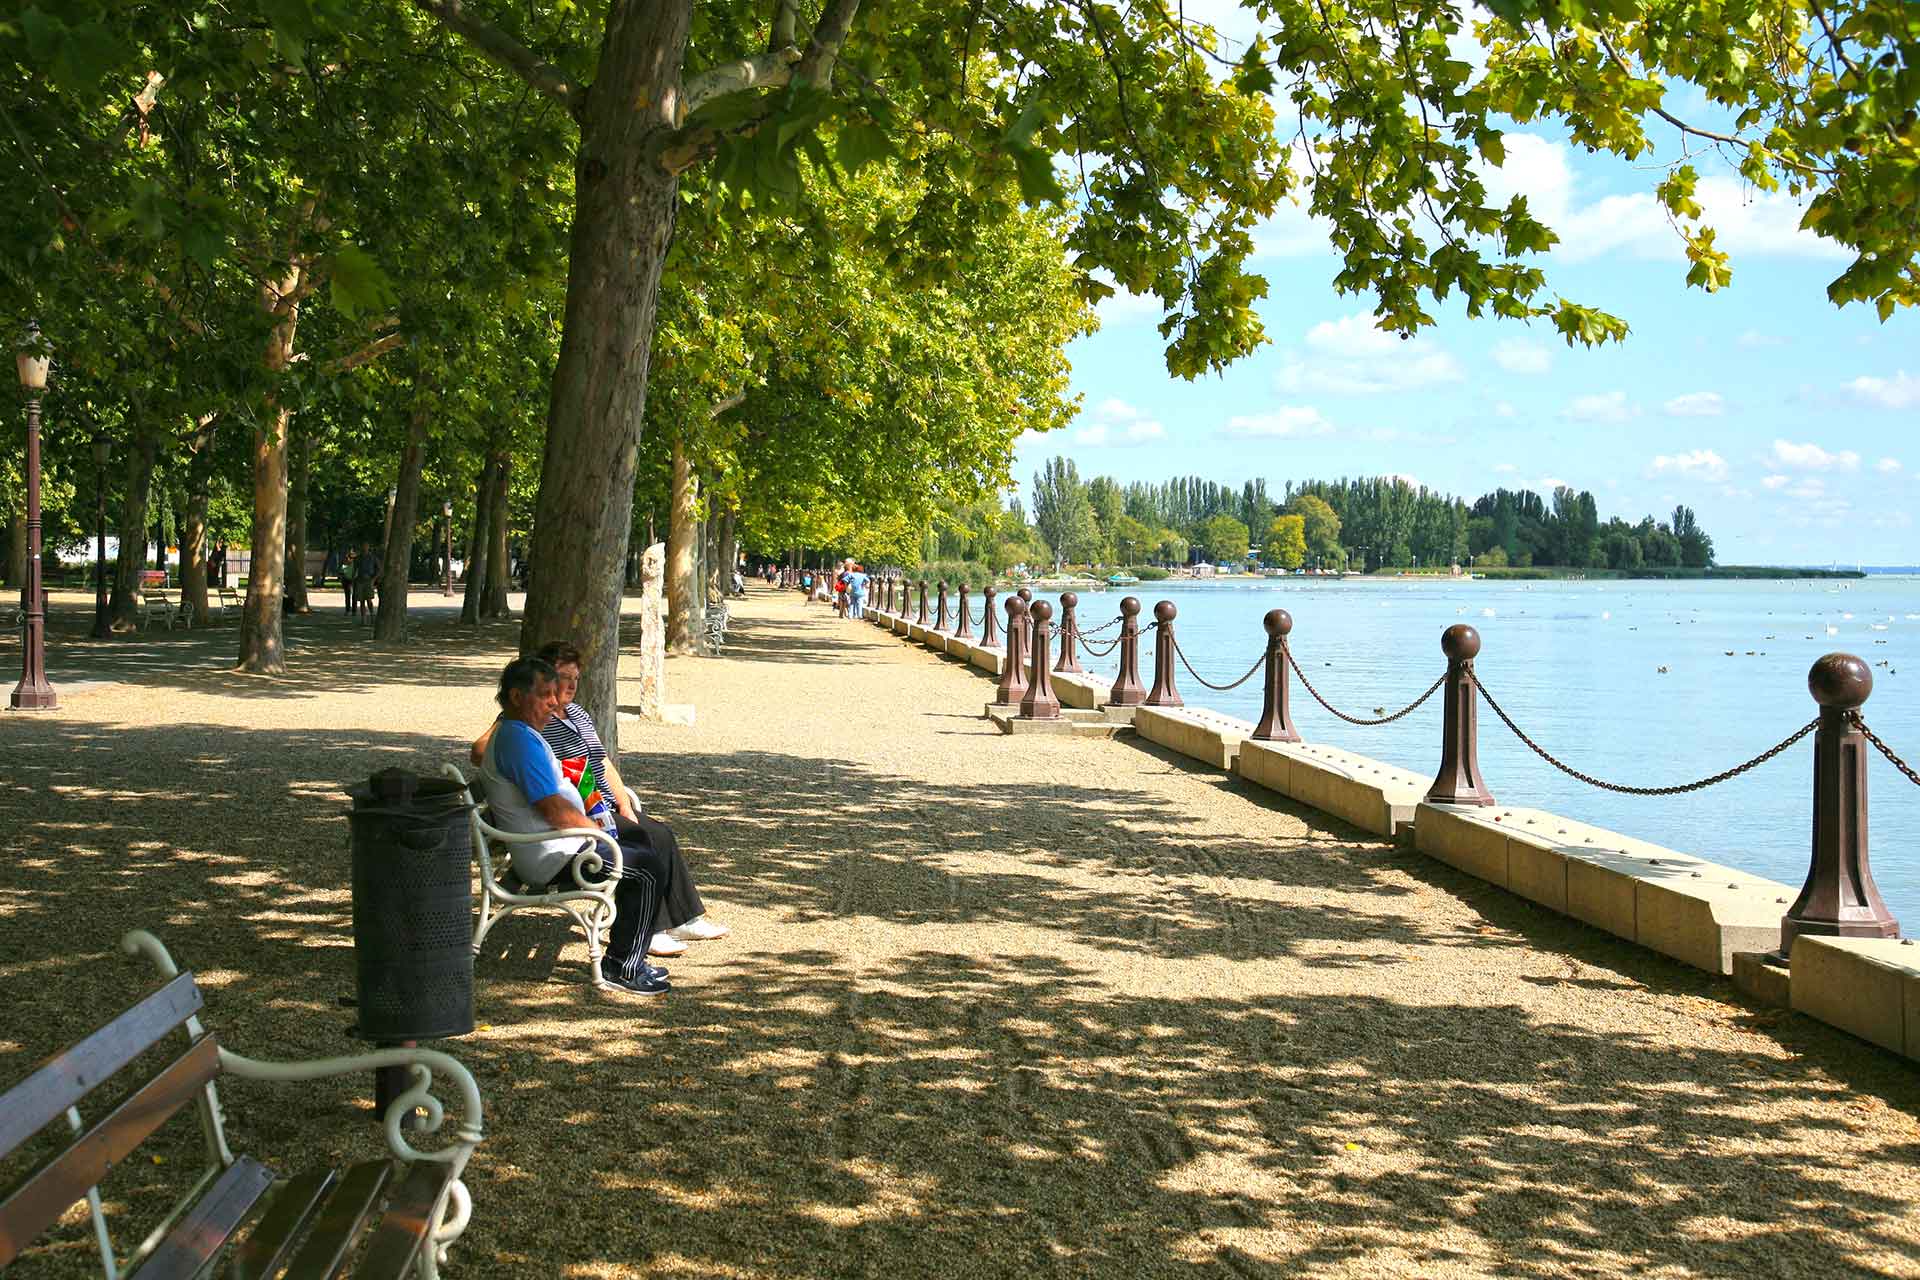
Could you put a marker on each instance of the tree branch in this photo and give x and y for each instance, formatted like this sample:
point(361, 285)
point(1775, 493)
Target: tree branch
point(767, 71)
point(823, 48)
point(508, 53)
point(367, 354)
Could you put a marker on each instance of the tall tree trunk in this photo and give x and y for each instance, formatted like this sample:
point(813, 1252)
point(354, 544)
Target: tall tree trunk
point(127, 595)
point(298, 487)
point(262, 651)
point(193, 530)
point(493, 598)
point(729, 550)
point(477, 546)
point(624, 202)
point(682, 528)
point(390, 623)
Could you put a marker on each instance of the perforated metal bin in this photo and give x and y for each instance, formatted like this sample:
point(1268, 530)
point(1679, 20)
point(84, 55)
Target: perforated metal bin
point(412, 907)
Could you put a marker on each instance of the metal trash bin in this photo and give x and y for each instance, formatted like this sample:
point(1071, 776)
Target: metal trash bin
point(412, 907)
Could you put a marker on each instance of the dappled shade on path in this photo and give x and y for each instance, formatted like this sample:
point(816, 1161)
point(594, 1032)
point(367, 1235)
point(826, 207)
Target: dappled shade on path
point(993, 1006)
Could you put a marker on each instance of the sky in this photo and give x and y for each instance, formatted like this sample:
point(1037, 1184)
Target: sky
point(1787, 424)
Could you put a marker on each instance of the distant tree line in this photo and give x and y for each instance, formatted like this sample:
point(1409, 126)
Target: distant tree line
point(1365, 522)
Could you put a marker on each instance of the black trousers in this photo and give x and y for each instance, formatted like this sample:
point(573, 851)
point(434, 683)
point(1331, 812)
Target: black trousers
point(646, 879)
point(681, 902)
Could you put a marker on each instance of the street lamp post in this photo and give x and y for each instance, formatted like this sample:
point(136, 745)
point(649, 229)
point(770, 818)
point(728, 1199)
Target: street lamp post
point(33, 693)
point(102, 630)
point(446, 510)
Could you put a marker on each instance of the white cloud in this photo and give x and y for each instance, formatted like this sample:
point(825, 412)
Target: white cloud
point(1516, 356)
point(1504, 468)
point(1755, 338)
point(1887, 466)
point(1701, 464)
point(1788, 456)
point(1287, 420)
point(1609, 406)
point(1354, 356)
point(1774, 482)
point(1696, 404)
point(1123, 307)
point(1118, 423)
point(1504, 409)
point(1901, 391)
point(1746, 222)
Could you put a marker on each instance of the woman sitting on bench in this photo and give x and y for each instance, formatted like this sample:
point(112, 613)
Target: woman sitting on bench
point(681, 917)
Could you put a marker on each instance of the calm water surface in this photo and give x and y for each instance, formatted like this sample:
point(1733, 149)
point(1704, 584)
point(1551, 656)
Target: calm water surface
point(1641, 683)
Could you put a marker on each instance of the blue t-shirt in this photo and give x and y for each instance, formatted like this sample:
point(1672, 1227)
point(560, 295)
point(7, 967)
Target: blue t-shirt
point(856, 583)
point(523, 758)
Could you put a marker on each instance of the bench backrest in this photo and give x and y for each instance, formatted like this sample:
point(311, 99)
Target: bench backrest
point(482, 851)
point(58, 1085)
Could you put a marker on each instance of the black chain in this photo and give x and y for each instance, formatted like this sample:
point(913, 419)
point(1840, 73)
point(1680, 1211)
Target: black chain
point(1217, 688)
point(1680, 790)
point(1095, 650)
point(1407, 710)
point(1114, 621)
point(1884, 749)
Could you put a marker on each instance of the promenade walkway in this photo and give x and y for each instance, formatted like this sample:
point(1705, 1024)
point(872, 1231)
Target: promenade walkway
point(992, 1007)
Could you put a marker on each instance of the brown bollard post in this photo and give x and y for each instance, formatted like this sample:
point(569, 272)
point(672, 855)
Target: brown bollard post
point(1276, 720)
point(965, 630)
point(1026, 594)
point(989, 620)
point(922, 619)
point(1013, 676)
point(941, 622)
point(1069, 622)
point(1839, 899)
point(1163, 693)
point(1127, 690)
point(893, 593)
point(1039, 702)
point(1459, 781)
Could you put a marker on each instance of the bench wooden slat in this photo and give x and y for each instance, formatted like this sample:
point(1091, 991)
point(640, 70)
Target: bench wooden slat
point(271, 1239)
point(397, 1240)
point(340, 1222)
point(69, 1076)
point(207, 1227)
point(44, 1195)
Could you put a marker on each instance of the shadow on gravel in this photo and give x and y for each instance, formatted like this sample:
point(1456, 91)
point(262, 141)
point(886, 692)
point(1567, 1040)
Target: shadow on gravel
point(941, 1114)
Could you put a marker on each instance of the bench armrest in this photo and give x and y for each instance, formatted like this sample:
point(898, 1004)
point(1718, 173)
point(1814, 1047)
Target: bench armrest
point(423, 1064)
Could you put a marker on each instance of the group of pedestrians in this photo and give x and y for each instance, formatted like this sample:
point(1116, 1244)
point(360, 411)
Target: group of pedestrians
point(844, 587)
point(359, 574)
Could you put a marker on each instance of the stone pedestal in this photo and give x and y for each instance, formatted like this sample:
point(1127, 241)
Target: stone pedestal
point(653, 632)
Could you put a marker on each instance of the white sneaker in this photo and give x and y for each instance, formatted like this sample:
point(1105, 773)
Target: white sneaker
point(699, 929)
point(665, 944)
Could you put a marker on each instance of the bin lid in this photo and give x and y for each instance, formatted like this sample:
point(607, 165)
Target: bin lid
point(400, 790)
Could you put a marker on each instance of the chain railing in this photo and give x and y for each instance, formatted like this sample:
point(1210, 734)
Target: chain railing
point(1401, 714)
point(1884, 749)
point(1080, 637)
point(1679, 789)
point(1181, 654)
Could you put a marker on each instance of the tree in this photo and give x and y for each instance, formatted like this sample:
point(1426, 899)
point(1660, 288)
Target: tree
point(1133, 540)
point(1061, 510)
point(1285, 546)
point(1225, 539)
point(1173, 548)
point(1320, 526)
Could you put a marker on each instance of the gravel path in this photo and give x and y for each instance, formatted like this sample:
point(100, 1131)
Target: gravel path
point(992, 1006)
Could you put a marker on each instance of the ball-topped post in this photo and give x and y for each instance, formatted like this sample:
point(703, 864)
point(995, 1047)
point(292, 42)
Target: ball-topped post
point(1039, 702)
point(1026, 594)
point(1163, 694)
point(1127, 690)
point(965, 630)
point(1069, 662)
point(1276, 718)
point(989, 618)
point(941, 622)
point(1459, 780)
point(1839, 898)
point(1013, 675)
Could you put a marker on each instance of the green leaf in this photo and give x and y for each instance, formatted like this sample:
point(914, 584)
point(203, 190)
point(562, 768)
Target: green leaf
point(357, 283)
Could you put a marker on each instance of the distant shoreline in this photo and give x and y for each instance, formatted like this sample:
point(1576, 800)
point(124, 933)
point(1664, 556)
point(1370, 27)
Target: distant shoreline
point(1724, 573)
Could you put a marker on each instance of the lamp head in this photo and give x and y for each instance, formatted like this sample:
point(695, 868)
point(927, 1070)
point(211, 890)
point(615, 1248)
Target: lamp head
point(446, 508)
point(33, 360)
point(102, 450)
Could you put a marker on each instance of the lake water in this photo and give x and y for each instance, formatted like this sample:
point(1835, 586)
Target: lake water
point(1640, 683)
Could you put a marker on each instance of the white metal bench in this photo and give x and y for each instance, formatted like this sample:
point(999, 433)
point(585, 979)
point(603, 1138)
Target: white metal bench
point(311, 1223)
point(158, 601)
point(588, 901)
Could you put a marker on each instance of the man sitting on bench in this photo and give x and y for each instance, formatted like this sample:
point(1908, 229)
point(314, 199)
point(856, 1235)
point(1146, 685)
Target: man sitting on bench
point(528, 792)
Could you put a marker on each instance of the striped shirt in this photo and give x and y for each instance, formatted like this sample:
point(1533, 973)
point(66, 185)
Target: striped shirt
point(572, 736)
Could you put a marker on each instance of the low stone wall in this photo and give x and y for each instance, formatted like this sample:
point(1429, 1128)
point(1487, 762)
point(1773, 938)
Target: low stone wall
point(1867, 986)
point(1696, 911)
point(1083, 693)
point(1207, 736)
point(1371, 795)
point(988, 660)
